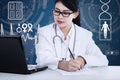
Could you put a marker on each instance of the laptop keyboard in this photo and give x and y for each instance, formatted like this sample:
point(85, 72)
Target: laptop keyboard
point(31, 67)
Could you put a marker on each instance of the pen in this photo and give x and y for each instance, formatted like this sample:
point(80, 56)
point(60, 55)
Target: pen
point(71, 53)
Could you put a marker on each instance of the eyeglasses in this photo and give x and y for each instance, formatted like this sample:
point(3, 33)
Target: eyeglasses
point(65, 13)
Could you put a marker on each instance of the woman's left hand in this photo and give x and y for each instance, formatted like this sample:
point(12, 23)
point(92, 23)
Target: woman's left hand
point(81, 61)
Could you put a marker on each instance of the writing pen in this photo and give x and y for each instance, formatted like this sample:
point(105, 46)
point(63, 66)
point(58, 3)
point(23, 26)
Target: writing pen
point(71, 53)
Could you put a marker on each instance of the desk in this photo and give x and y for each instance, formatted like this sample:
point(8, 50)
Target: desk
point(107, 73)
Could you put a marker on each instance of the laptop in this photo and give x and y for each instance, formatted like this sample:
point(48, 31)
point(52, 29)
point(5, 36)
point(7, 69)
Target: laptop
point(12, 57)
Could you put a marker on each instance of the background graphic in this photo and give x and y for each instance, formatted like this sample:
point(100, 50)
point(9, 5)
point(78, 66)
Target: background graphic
point(24, 17)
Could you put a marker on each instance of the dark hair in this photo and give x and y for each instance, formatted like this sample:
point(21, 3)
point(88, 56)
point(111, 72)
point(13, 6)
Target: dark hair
point(73, 6)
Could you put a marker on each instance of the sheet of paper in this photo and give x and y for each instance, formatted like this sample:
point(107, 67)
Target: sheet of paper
point(79, 72)
point(85, 71)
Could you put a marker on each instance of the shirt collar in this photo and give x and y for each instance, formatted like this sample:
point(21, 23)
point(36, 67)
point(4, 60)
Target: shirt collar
point(70, 34)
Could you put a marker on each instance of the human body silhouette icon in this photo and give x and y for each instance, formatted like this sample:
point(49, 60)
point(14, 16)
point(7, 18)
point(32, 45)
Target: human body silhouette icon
point(105, 29)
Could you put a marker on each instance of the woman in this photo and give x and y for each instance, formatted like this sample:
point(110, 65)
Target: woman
point(64, 44)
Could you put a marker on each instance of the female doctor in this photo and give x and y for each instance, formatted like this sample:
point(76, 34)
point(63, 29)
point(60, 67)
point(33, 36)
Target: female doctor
point(64, 44)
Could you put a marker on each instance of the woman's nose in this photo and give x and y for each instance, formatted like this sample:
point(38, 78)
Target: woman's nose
point(60, 16)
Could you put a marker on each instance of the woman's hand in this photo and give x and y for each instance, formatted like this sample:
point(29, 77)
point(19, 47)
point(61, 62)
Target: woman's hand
point(81, 61)
point(72, 65)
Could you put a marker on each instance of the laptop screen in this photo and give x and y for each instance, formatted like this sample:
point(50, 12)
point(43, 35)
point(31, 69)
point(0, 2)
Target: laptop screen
point(12, 58)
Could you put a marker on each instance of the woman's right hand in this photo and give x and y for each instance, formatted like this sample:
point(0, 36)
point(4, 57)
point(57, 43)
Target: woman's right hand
point(71, 66)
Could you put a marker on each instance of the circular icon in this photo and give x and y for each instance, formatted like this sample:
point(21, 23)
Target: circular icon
point(31, 12)
point(90, 11)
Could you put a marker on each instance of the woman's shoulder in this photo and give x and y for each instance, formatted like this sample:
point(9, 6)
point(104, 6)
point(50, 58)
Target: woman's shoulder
point(83, 31)
point(46, 29)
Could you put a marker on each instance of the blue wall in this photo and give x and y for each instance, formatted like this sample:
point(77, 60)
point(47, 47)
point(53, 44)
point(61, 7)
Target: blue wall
point(40, 12)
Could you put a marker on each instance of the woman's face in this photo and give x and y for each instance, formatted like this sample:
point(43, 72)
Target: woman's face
point(63, 16)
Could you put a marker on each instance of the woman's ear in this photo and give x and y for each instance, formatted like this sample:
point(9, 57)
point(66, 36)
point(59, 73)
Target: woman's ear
point(76, 14)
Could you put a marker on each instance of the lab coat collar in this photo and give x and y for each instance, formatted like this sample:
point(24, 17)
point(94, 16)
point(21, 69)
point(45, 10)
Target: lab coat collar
point(70, 34)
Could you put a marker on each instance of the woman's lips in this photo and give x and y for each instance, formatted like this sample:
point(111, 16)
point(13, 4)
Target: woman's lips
point(60, 22)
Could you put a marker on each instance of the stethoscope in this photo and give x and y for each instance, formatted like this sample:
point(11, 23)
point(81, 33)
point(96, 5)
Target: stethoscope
point(57, 36)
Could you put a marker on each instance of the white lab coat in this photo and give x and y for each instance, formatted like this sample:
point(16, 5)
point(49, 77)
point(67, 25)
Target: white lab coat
point(84, 46)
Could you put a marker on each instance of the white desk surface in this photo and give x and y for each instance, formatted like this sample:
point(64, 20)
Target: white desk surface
point(102, 73)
